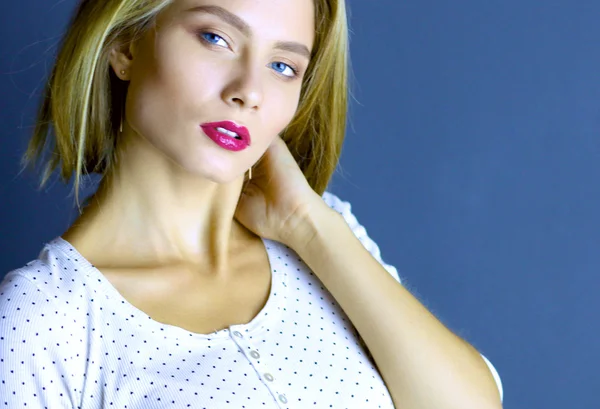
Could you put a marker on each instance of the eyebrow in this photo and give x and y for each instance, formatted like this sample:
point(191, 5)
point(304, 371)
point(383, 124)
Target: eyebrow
point(237, 22)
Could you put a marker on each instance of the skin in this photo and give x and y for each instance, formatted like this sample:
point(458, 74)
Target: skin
point(178, 200)
point(172, 198)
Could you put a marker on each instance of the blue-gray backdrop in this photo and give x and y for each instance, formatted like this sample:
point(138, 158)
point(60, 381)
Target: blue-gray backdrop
point(472, 159)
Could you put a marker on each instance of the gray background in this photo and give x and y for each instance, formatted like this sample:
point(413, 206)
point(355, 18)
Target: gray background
point(472, 160)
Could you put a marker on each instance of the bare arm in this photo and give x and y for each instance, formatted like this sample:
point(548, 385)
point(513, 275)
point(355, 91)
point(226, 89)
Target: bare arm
point(424, 365)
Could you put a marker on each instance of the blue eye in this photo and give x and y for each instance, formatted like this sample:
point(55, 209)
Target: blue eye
point(282, 67)
point(212, 38)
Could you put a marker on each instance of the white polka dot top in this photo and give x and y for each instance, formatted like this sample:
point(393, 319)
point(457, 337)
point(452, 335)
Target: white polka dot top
point(69, 339)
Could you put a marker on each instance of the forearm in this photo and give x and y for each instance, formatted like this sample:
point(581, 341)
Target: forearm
point(424, 365)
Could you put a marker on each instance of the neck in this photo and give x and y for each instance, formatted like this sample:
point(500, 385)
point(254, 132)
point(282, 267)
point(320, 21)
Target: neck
point(148, 211)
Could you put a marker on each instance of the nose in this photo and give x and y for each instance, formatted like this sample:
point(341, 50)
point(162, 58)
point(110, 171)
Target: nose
point(245, 89)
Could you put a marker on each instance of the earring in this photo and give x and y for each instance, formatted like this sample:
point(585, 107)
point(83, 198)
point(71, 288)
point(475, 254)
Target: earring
point(122, 109)
point(250, 173)
point(122, 115)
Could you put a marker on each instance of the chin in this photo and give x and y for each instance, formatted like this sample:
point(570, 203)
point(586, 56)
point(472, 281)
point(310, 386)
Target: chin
point(217, 173)
point(221, 179)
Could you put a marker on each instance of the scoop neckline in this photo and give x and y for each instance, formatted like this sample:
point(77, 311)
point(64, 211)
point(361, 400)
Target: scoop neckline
point(272, 308)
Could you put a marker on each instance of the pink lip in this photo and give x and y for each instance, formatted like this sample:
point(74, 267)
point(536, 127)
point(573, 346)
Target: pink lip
point(226, 141)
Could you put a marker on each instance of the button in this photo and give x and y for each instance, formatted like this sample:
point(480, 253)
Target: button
point(238, 334)
point(254, 354)
point(269, 377)
point(283, 399)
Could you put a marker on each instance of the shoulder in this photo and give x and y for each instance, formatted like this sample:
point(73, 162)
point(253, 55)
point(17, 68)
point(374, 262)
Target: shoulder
point(38, 337)
point(45, 285)
point(44, 298)
point(344, 208)
point(335, 202)
point(341, 206)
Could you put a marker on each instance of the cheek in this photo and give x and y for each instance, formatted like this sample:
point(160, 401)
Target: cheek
point(166, 71)
point(166, 96)
point(282, 107)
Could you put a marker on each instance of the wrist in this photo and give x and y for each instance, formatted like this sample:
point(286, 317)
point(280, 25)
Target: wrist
point(307, 224)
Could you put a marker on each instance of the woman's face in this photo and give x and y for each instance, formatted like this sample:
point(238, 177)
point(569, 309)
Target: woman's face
point(209, 61)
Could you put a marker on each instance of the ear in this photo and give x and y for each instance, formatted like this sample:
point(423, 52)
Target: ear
point(121, 60)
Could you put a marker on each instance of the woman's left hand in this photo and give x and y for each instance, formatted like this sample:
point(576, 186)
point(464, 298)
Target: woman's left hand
point(275, 203)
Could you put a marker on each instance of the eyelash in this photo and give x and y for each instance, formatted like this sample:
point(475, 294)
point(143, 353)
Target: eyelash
point(295, 70)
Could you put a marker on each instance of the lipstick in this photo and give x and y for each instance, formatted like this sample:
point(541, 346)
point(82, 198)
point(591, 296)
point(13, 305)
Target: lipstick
point(227, 135)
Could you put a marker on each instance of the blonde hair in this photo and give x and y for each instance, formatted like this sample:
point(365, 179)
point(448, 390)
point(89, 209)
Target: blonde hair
point(80, 110)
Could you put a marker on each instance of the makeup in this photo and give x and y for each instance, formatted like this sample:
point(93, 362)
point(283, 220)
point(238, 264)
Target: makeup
point(227, 135)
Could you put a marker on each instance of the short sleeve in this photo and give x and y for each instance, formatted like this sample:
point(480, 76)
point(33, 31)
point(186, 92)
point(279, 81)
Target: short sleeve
point(344, 208)
point(496, 377)
point(35, 354)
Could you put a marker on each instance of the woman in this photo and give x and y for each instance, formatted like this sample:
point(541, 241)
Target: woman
point(184, 283)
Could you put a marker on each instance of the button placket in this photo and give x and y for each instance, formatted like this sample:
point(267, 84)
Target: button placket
point(270, 379)
point(260, 366)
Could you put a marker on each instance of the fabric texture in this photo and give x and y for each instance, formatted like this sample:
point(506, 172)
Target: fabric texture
point(69, 339)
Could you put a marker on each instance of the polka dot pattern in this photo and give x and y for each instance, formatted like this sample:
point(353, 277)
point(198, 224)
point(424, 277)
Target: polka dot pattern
point(69, 339)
